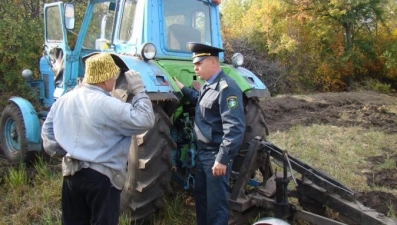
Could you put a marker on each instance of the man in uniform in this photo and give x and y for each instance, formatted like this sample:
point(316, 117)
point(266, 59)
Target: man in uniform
point(219, 128)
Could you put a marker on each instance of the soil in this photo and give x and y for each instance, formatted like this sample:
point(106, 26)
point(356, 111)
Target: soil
point(365, 109)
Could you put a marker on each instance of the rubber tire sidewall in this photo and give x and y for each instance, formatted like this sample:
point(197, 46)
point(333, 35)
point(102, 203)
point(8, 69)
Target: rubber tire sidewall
point(12, 112)
point(255, 120)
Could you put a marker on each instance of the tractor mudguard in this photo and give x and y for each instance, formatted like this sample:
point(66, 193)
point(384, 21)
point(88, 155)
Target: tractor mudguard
point(158, 83)
point(248, 82)
point(183, 70)
point(154, 78)
point(32, 123)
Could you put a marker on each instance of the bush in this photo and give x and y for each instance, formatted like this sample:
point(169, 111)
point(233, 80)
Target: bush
point(373, 85)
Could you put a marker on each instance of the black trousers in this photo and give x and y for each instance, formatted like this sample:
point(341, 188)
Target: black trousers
point(88, 197)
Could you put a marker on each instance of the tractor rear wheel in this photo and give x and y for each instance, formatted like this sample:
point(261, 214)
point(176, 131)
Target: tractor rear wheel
point(13, 139)
point(255, 120)
point(149, 169)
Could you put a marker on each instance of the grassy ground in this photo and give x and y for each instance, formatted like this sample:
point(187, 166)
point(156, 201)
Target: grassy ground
point(342, 152)
point(35, 198)
point(345, 145)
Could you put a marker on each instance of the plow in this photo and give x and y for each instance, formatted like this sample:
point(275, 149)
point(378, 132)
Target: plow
point(312, 191)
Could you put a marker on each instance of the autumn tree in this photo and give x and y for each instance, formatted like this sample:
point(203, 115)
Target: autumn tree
point(360, 20)
point(321, 45)
point(258, 32)
point(20, 31)
point(389, 41)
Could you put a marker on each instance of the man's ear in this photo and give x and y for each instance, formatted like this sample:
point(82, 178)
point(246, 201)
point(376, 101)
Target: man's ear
point(214, 61)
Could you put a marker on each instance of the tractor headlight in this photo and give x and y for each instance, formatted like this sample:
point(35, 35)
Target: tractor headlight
point(237, 59)
point(27, 74)
point(148, 51)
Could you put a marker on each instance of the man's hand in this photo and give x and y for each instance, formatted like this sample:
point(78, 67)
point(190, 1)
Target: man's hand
point(70, 166)
point(134, 80)
point(180, 85)
point(218, 169)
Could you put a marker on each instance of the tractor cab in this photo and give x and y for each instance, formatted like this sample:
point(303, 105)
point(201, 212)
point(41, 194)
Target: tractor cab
point(153, 29)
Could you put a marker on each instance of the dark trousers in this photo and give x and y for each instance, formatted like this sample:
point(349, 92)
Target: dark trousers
point(211, 193)
point(88, 197)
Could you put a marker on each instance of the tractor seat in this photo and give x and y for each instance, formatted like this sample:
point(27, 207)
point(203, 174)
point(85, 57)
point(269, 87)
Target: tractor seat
point(57, 65)
point(178, 35)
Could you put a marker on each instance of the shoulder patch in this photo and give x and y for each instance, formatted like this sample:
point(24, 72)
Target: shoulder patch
point(232, 102)
point(222, 84)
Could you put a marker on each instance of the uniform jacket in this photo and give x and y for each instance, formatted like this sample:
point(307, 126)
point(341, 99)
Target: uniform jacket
point(219, 117)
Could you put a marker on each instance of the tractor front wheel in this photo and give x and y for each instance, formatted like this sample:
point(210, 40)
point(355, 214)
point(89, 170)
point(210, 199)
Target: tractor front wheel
point(149, 169)
point(13, 139)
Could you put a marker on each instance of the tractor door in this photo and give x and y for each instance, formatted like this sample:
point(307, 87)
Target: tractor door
point(57, 18)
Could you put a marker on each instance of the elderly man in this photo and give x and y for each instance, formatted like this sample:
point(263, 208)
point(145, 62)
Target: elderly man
point(92, 132)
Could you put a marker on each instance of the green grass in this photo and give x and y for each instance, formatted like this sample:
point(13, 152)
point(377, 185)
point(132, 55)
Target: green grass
point(389, 163)
point(17, 178)
point(34, 197)
point(31, 198)
point(340, 151)
point(391, 213)
point(177, 210)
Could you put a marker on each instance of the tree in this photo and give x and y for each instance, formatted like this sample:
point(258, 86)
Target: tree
point(18, 51)
point(359, 20)
point(323, 45)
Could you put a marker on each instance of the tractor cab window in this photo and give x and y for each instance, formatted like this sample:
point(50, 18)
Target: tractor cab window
point(127, 20)
point(99, 31)
point(54, 38)
point(186, 21)
point(53, 28)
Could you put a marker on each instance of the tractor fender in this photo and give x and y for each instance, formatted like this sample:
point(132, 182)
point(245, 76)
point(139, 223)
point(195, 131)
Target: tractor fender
point(31, 122)
point(248, 82)
point(154, 78)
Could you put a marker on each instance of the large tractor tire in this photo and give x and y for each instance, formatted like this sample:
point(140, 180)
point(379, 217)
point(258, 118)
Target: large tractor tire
point(255, 120)
point(13, 139)
point(149, 169)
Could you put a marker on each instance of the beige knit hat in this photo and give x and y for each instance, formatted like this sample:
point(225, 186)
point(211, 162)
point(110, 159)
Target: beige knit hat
point(99, 68)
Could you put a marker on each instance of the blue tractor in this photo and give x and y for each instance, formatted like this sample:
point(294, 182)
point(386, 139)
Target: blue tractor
point(150, 37)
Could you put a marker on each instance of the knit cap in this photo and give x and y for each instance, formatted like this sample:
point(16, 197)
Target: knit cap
point(99, 68)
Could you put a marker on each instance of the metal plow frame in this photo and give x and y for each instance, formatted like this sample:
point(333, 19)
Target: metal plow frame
point(314, 190)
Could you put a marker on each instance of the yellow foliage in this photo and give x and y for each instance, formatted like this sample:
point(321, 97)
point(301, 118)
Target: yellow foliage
point(329, 77)
point(394, 33)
